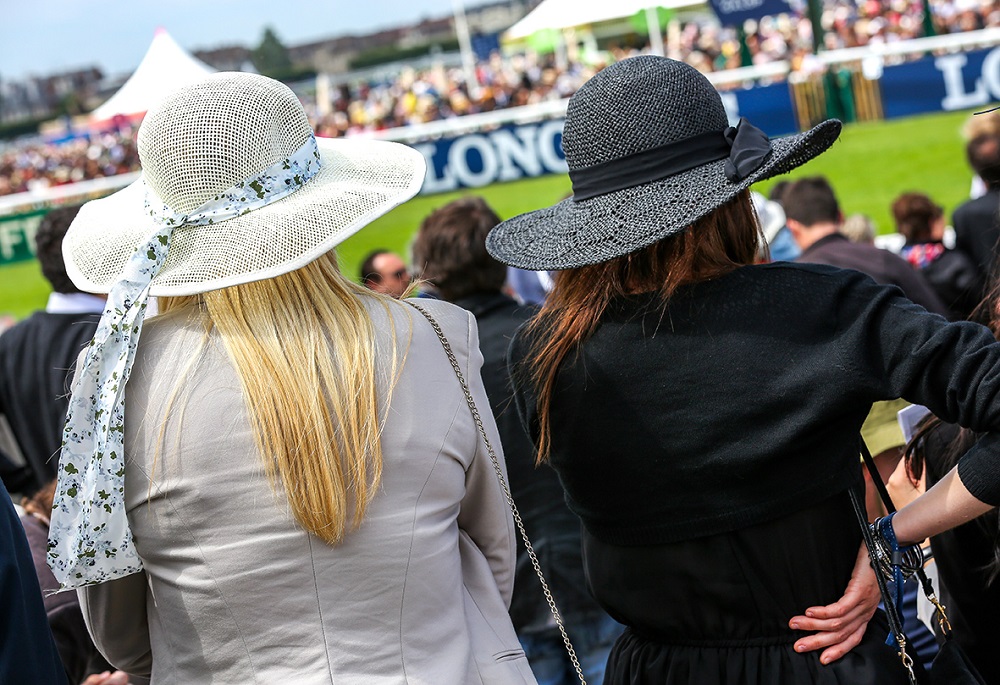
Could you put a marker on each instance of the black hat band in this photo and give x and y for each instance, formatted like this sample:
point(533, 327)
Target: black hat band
point(744, 147)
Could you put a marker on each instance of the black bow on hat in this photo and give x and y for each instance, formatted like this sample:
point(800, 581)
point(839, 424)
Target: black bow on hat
point(744, 147)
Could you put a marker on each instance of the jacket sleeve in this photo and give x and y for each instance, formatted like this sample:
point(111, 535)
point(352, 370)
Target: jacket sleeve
point(951, 368)
point(916, 286)
point(485, 514)
point(115, 614)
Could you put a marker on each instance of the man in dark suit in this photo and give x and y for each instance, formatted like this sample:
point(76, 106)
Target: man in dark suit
point(36, 360)
point(814, 218)
point(977, 222)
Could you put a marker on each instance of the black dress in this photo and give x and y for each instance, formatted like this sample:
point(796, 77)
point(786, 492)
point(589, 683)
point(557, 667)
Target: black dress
point(715, 610)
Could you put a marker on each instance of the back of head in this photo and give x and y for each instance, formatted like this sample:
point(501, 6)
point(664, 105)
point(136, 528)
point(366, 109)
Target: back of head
point(982, 124)
point(450, 250)
point(48, 247)
point(811, 201)
point(915, 213)
point(859, 228)
point(368, 272)
point(777, 192)
point(983, 153)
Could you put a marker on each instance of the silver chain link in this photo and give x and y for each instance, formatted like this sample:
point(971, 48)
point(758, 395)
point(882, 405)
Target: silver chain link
point(506, 490)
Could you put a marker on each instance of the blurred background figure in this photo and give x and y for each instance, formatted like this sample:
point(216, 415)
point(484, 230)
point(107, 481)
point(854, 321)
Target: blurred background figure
point(780, 244)
point(450, 252)
point(977, 222)
point(80, 658)
point(952, 274)
point(36, 359)
point(386, 273)
point(814, 219)
point(981, 124)
point(884, 437)
point(859, 228)
point(529, 287)
point(967, 557)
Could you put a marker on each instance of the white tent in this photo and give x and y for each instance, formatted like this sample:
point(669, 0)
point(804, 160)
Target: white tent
point(564, 14)
point(165, 68)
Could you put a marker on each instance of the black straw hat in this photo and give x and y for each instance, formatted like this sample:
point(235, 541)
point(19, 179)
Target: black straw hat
point(650, 151)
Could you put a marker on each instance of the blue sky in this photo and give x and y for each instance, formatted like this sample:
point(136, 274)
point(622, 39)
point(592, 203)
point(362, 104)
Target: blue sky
point(44, 36)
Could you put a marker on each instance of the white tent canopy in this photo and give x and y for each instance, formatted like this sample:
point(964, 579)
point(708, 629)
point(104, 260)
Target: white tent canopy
point(564, 14)
point(165, 68)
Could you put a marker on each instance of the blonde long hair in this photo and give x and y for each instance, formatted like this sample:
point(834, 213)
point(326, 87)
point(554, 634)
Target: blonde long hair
point(303, 346)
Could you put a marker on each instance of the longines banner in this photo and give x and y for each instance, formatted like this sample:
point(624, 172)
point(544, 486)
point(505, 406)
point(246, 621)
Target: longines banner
point(948, 82)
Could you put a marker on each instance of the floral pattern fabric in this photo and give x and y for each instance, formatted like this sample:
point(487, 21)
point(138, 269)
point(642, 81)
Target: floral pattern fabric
point(89, 537)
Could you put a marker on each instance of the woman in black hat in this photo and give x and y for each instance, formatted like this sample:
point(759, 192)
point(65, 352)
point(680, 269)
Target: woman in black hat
point(703, 412)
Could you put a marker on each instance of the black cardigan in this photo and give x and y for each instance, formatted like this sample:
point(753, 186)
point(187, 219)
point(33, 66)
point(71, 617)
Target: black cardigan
point(742, 400)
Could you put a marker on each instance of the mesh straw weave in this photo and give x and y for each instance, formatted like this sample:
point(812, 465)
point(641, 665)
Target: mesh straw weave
point(634, 105)
point(208, 137)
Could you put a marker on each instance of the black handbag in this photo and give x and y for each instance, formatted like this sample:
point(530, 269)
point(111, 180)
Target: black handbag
point(951, 666)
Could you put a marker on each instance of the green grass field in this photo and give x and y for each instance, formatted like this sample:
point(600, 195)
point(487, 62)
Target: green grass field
point(869, 166)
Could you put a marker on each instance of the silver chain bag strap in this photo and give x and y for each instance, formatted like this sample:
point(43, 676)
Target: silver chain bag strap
point(503, 486)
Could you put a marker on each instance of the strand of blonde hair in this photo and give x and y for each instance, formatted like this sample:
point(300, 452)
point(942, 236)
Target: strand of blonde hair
point(303, 345)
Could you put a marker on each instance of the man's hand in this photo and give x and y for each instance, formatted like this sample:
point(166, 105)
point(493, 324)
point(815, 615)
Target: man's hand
point(840, 626)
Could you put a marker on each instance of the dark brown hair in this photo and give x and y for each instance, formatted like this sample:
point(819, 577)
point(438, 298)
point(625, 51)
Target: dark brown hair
point(983, 153)
point(724, 240)
point(810, 201)
point(48, 247)
point(450, 250)
point(40, 503)
point(915, 214)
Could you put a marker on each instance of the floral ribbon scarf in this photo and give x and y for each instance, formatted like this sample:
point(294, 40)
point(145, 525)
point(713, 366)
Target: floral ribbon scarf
point(89, 537)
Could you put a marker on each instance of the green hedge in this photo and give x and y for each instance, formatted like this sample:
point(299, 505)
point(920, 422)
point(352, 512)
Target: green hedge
point(23, 127)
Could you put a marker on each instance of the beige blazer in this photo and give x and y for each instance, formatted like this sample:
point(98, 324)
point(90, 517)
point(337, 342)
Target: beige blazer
point(235, 592)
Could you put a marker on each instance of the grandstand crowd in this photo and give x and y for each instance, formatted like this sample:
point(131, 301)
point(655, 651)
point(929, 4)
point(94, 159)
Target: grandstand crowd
point(415, 97)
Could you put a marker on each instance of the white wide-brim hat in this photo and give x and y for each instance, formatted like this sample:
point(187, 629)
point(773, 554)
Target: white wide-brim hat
point(209, 137)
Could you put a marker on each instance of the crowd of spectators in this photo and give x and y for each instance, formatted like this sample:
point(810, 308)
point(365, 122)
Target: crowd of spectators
point(847, 24)
point(439, 93)
point(40, 164)
point(415, 97)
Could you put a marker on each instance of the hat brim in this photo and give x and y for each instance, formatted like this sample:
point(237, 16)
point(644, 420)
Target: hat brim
point(572, 234)
point(359, 181)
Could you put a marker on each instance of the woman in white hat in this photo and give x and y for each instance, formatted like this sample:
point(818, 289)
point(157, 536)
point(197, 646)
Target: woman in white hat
point(293, 488)
point(713, 482)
